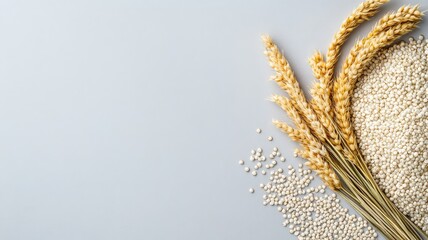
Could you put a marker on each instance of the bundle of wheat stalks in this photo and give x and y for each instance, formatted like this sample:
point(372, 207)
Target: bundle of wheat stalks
point(323, 125)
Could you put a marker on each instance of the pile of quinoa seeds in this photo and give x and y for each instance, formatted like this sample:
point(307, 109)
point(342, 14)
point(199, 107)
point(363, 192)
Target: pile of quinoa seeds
point(309, 212)
point(390, 116)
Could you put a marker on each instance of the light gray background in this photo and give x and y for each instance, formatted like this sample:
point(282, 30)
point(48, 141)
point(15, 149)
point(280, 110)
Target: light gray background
point(126, 119)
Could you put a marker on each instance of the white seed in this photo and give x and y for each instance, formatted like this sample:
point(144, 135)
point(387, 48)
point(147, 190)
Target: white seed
point(247, 169)
point(251, 190)
point(275, 149)
point(258, 130)
point(259, 150)
point(254, 173)
point(282, 159)
point(270, 138)
point(241, 162)
point(263, 172)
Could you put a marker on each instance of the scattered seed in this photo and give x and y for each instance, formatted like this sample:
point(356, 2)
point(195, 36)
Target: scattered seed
point(306, 214)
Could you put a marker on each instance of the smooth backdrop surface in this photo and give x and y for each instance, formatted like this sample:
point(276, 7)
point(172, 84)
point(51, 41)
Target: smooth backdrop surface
point(126, 119)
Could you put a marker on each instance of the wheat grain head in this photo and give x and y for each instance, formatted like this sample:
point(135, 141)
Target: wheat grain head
point(324, 70)
point(384, 33)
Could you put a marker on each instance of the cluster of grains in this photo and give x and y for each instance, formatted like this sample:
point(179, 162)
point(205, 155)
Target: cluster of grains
point(260, 160)
point(310, 215)
point(308, 212)
point(390, 116)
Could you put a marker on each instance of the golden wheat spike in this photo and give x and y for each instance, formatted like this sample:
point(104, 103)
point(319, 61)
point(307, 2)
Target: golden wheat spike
point(316, 162)
point(384, 33)
point(295, 134)
point(302, 134)
point(299, 101)
point(291, 109)
point(287, 81)
point(324, 70)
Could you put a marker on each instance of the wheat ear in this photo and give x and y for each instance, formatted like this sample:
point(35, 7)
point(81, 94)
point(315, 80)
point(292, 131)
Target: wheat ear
point(328, 176)
point(324, 70)
point(290, 108)
point(384, 33)
point(322, 90)
point(287, 81)
point(295, 134)
point(314, 148)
